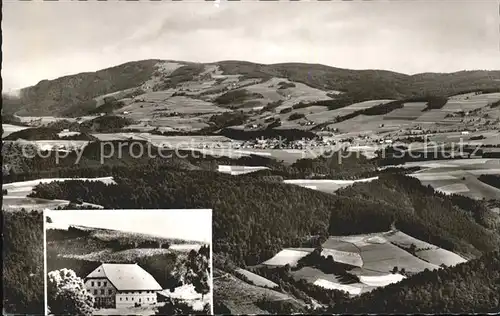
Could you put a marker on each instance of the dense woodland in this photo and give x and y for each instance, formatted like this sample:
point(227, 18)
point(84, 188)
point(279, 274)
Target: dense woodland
point(471, 287)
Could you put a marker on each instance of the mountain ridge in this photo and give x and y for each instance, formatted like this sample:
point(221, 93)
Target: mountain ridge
point(74, 95)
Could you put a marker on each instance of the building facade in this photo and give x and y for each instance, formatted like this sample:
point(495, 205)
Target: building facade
point(121, 286)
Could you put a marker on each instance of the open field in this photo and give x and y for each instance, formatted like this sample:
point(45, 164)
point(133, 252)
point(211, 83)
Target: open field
point(9, 129)
point(142, 311)
point(287, 256)
point(14, 203)
point(17, 193)
point(237, 170)
point(45, 145)
point(24, 188)
point(187, 294)
point(468, 103)
point(328, 281)
point(44, 120)
point(109, 255)
point(257, 279)
point(328, 186)
point(326, 115)
point(373, 258)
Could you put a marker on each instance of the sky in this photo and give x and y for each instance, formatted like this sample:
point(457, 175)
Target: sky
point(46, 40)
point(195, 225)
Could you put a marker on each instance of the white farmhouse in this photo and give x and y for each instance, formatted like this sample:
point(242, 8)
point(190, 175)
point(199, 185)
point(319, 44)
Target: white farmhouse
point(121, 285)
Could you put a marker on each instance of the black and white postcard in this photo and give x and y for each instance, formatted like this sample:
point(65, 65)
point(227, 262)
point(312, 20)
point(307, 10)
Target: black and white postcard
point(349, 152)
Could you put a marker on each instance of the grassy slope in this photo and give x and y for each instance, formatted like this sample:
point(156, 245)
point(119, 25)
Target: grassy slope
point(67, 248)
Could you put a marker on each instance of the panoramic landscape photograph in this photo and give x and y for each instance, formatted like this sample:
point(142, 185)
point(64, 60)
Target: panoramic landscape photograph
point(235, 158)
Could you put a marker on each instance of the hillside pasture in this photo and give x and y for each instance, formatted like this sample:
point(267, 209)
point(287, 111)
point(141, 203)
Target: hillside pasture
point(384, 257)
point(327, 281)
point(24, 188)
point(48, 145)
point(424, 250)
point(431, 117)
point(409, 111)
point(346, 257)
point(185, 123)
point(459, 176)
point(186, 293)
point(45, 120)
point(240, 297)
point(182, 105)
point(124, 256)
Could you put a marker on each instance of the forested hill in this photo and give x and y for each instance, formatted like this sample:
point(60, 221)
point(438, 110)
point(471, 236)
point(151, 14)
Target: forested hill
point(254, 219)
point(75, 94)
point(471, 287)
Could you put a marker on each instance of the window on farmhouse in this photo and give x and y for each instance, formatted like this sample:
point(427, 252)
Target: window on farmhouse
point(98, 283)
point(120, 298)
point(102, 292)
point(105, 283)
point(126, 298)
point(110, 292)
point(92, 283)
point(95, 292)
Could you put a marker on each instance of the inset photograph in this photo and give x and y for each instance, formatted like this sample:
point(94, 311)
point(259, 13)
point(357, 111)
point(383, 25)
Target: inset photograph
point(128, 262)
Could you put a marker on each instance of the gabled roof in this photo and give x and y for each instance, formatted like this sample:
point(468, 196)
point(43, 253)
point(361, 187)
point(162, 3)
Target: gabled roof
point(126, 277)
